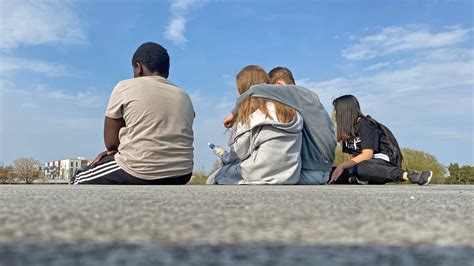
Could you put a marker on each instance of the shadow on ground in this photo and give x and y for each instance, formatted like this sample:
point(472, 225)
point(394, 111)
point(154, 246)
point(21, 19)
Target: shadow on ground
point(240, 254)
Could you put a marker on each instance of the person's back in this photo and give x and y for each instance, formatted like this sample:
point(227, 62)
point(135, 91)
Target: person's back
point(275, 157)
point(266, 139)
point(319, 142)
point(148, 128)
point(157, 140)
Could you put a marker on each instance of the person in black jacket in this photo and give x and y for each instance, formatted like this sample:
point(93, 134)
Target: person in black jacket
point(375, 157)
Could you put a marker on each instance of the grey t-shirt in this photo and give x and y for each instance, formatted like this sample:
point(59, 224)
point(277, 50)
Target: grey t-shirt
point(157, 140)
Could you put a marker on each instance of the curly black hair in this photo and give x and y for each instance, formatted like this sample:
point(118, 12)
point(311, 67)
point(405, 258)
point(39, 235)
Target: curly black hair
point(154, 56)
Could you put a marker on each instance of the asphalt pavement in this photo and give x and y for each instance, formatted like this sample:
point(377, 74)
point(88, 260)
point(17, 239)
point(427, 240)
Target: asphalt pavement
point(236, 225)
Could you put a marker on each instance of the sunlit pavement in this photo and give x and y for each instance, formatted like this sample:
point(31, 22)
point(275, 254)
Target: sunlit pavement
point(236, 225)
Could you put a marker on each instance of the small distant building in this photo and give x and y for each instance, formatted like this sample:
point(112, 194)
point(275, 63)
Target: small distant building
point(64, 169)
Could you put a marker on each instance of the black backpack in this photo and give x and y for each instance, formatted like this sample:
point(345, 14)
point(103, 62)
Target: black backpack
point(396, 157)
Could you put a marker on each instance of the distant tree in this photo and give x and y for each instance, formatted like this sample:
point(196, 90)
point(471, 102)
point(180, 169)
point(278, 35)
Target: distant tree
point(340, 156)
point(198, 178)
point(460, 175)
point(422, 161)
point(454, 174)
point(27, 170)
point(215, 166)
point(6, 174)
point(467, 173)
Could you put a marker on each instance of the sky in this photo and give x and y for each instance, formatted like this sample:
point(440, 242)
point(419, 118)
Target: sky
point(410, 64)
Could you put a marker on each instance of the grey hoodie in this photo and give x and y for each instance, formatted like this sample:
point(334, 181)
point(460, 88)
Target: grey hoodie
point(265, 152)
point(319, 141)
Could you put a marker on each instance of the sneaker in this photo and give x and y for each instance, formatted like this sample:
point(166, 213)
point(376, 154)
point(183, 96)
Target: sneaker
point(420, 178)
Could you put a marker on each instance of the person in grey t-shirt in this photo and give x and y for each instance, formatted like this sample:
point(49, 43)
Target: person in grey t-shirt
point(319, 141)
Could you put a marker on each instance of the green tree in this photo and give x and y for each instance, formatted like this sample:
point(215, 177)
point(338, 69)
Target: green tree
point(454, 174)
point(340, 156)
point(200, 177)
point(460, 175)
point(215, 166)
point(422, 161)
point(467, 173)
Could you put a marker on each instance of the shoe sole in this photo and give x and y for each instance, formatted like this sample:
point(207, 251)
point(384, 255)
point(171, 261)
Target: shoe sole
point(429, 179)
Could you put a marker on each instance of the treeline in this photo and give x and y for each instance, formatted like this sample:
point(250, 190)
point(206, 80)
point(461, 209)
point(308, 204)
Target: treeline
point(24, 170)
point(28, 170)
point(460, 174)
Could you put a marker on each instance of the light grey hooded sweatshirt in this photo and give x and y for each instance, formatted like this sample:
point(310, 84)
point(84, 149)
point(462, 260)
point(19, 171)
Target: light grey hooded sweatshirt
point(265, 152)
point(319, 140)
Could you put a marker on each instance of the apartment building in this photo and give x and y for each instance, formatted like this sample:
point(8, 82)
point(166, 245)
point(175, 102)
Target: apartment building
point(64, 169)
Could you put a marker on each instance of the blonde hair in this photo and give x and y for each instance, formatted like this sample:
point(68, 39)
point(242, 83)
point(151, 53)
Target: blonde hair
point(252, 75)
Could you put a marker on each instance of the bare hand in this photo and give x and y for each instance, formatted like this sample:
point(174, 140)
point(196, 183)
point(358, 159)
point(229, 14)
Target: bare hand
point(336, 174)
point(102, 155)
point(228, 121)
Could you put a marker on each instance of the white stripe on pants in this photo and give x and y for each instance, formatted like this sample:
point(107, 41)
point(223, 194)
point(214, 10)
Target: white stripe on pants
point(96, 172)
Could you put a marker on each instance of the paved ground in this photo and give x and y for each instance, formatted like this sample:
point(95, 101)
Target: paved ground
point(238, 225)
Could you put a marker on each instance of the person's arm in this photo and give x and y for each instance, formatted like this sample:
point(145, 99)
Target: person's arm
point(369, 143)
point(111, 137)
point(291, 95)
point(283, 94)
point(114, 118)
point(113, 123)
point(111, 132)
point(294, 96)
point(366, 154)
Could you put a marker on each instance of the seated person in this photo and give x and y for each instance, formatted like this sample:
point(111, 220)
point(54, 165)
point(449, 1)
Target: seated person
point(319, 141)
point(148, 128)
point(265, 143)
point(375, 157)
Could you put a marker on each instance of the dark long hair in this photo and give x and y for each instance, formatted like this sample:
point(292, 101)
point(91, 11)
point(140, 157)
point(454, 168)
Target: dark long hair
point(347, 110)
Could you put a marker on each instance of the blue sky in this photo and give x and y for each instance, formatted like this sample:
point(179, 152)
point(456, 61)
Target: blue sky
point(410, 63)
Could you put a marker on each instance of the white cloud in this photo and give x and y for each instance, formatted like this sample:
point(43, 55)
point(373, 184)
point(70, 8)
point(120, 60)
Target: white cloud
point(208, 124)
point(88, 98)
point(378, 66)
point(5, 85)
point(36, 120)
point(51, 69)
point(404, 38)
point(84, 98)
point(29, 105)
point(177, 25)
point(38, 22)
point(433, 72)
point(427, 99)
point(175, 30)
point(49, 124)
point(78, 123)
